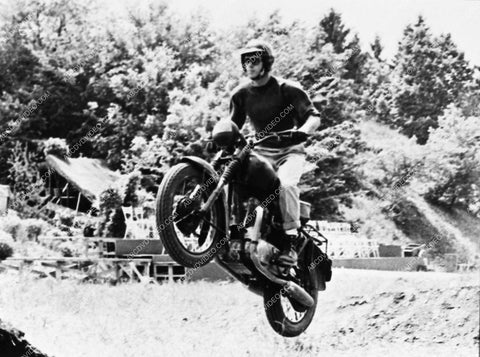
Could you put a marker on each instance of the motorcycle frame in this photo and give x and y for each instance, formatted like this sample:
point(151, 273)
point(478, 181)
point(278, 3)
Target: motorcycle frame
point(229, 199)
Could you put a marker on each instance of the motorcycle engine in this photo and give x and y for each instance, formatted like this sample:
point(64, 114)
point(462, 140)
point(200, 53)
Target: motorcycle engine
point(266, 252)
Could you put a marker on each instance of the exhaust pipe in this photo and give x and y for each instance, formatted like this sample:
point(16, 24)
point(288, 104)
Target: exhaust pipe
point(299, 294)
point(292, 289)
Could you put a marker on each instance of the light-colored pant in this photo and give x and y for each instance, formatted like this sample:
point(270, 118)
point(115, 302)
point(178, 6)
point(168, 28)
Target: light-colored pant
point(289, 163)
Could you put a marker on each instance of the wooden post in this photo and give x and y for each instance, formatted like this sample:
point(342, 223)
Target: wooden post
point(20, 267)
point(58, 271)
point(117, 272)
point(86, 242)
point(100, 248)
point(78, 202)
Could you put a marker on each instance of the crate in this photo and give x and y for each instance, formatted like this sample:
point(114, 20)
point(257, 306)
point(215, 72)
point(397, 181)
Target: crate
point(165, 269)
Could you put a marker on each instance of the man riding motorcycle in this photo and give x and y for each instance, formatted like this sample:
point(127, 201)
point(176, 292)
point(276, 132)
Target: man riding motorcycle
point(273, 105)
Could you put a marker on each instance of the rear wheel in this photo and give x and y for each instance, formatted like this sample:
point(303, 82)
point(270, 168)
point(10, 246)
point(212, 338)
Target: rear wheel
point(198, 239)
point(286, 316)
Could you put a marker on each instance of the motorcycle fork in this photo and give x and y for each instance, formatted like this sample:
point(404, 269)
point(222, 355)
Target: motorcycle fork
point(237, 211)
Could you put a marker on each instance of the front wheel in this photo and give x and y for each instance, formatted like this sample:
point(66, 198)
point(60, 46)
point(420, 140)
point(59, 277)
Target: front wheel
point(190, 240)
point(286, 316)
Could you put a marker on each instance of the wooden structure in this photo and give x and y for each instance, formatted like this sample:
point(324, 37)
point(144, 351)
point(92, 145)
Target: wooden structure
point(164, 268)
point(105, 259)
point(146, 270)
point(413, 249)
point(343, 243)
point(76, 182)
point(85, 269)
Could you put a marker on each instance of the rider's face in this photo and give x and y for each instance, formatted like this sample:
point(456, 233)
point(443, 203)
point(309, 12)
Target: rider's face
point(253, 66)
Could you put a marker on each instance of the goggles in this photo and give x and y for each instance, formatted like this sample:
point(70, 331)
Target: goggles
point(251, 58)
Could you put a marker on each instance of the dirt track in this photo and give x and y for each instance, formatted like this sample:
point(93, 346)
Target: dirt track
point(362, 312)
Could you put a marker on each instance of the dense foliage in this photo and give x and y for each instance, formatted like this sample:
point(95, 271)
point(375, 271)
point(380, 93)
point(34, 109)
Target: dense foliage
point(142, 87)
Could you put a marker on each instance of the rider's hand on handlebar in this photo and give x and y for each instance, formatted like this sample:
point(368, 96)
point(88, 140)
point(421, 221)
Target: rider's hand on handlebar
point(211, 147)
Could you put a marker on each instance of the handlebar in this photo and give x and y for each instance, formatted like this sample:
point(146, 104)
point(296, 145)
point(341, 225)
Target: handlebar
point(279, 139)
point(290, 136)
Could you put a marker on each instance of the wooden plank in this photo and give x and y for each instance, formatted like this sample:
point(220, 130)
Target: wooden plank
point(164, 259)
point(8, 266)
point(78, 202)
point(58, 273)
point(63, 268)
point(140, 276)
point(127, 247)
point(117, 272)
point(123, 268)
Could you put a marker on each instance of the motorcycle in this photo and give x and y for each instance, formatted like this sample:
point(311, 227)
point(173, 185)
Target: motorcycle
point(228, 211)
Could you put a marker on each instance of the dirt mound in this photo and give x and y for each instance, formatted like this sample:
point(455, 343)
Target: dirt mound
point(424, 316)
point(12, 343)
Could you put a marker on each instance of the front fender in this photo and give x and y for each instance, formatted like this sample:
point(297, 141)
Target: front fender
point(201, 164)
point(204, 166)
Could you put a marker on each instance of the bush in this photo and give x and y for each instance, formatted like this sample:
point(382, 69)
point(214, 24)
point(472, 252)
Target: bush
point(66, 252)
point(115, 227)
point(34, 228)
point(66, 219)
point(89, 230)
point(110, 203)
point(12, 225)
point(22, 230)
point(131, 190)
point(70, 248)
point(5, 251)
point(5, 237)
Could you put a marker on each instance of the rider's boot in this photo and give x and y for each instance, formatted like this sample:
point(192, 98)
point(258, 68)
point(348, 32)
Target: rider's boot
point(289, 256)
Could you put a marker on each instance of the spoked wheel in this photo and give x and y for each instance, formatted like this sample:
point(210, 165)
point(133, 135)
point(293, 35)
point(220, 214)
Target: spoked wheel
point(286, 316)
point(191, 240)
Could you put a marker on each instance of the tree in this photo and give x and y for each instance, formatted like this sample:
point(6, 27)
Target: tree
point(355, 63)
point(377, 96)
point(429, 74)
point(377, 48)
point(332, 175)
point(453, 160)
point(469, 99)
point(44, 42)
point(335, 30)
point(25, 180)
